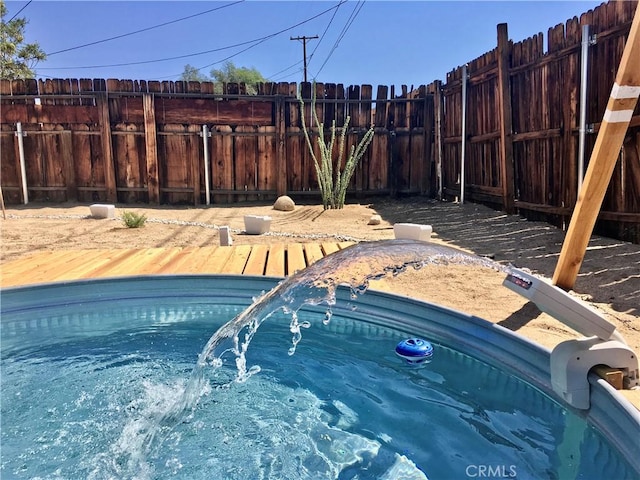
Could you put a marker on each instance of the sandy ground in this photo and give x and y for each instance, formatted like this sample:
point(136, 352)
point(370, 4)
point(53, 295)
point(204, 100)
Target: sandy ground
point(609, 279)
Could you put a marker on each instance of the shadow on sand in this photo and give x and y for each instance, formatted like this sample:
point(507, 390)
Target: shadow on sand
point(609, 274)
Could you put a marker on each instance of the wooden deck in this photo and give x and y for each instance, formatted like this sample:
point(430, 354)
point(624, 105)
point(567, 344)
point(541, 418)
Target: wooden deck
point(273, 260)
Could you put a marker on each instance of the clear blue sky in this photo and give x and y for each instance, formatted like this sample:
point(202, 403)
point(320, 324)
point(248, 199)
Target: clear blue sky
point(373, 42)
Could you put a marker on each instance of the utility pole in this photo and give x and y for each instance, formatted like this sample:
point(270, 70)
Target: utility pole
point(304, 50)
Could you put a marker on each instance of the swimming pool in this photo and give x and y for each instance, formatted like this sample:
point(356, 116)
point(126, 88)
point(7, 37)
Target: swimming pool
point(88, 365)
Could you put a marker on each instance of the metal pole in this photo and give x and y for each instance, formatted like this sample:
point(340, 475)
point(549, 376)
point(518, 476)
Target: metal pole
point(464, 131)
point(438, 139)
point(205, 142)
point(584, 66)
point(23, 169)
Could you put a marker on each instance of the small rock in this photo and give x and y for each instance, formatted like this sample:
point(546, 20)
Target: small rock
point(375, 220)
point(284, 204)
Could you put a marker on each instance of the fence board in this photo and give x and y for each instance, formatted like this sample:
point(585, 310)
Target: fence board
point(222, 168)
point(256, 140)
point(129, 160)
point(245, 152)
point(295, 147)
point(267, 171)
point(177, 153)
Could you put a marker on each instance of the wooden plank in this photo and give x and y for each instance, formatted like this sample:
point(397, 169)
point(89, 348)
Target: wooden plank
point(34, 114)
point(329, 248)
point(427, 160)
point(366, 94)
point(196, 260)
point(134, 263)
point(313, 252)
point(319, 106)
point(380, 153)
point(222, 162)
point(50, 266)
point(213, 263)
point(295, 258)
point(42, 271)
point(296, 150)
point(66, 157)
point(353, 107)
point(89, 261)
point(603, 160)
point(246, 152)
point(237, 260)
point(129, 159)
point(156, 263)
point(380, 119)
point(196, 152)
point(177, 263)
point(107, 152)
point(151, 148)
point(402, 159)
point(116, 257)
point(268, 173)
point(257, 260)
point(281, 146)
point(613, 376)
point(177, 153)
point(212, 111)
point(506, 120)
point(84, 166)
point(418, 178)
point(19, 267)
point(275, 261)
point(51, 150)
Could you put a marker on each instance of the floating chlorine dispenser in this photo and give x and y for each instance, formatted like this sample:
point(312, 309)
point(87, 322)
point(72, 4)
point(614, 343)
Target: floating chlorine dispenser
point(415, 350)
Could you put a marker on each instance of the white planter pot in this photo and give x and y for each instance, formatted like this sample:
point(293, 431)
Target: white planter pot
point(256, 224)
point(412, 231)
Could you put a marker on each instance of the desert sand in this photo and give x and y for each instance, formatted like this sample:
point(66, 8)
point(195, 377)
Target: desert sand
point(609, 279)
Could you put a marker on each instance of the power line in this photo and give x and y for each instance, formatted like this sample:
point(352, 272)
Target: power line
point(18, 12)
point(350, 20)
point(142, 62)
point(268, 37)
point(272, 77)
point(335, 12)
point(143, 29)
point(254, 42)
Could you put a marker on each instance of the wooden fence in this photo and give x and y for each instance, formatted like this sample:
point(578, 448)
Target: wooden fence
point(143, 141)
point(522, 123)
point(136, 141)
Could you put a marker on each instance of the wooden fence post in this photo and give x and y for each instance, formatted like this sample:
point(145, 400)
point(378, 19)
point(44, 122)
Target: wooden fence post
point(151, 148)
point(622, 102)
point(281, 146)
point(506, 126)
point(107, 148)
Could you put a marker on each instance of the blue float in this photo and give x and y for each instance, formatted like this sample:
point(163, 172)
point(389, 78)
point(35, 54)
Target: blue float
point(415, 350)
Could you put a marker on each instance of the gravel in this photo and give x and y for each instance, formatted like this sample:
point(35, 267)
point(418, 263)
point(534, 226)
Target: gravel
point(314, 236)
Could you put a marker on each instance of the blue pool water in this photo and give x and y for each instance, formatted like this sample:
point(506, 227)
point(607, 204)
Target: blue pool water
point(89, 370)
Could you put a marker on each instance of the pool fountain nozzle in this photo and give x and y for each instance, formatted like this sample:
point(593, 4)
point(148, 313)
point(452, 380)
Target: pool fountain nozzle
point(572, 360)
